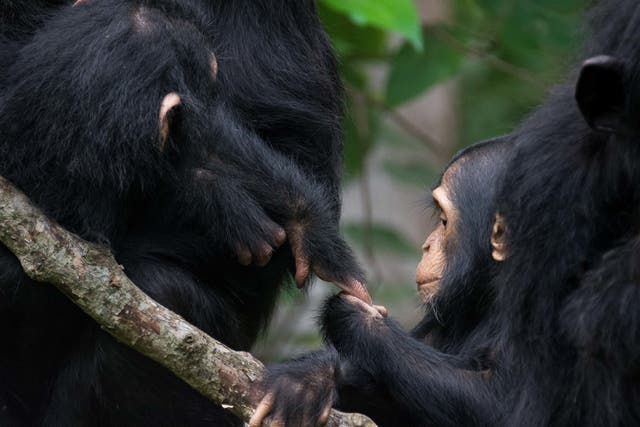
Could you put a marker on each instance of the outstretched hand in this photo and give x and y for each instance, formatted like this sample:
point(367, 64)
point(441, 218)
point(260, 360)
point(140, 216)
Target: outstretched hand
point(330, 259)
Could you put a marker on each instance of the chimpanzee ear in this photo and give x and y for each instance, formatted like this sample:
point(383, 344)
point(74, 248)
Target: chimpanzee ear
point(168, 109)
point(600, 94)
point(499, 239)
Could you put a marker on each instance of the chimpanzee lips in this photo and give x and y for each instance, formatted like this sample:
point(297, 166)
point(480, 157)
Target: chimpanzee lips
point(428, 289)
point(428, 283)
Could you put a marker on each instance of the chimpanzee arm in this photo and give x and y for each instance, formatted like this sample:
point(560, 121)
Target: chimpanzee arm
point(379, 370)
point(291, 198)
point(433, 387)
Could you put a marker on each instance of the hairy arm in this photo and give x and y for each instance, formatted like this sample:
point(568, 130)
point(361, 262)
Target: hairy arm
point(433, 387)
point(292, 198)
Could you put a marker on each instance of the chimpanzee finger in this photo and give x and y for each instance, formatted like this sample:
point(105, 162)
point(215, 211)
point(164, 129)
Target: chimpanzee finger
point(262, 255)
point(244, 255)
point(302, 269)
point(350, 286)
point(279, 236)
point(324, 417)
point(326, 412)
point(263, 409)
point(368, 308)
point(356, 289)
point(382, 310)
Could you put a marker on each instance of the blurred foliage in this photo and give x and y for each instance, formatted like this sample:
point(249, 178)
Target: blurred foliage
point(393, 15)
point(503, 55)
point(383, 238)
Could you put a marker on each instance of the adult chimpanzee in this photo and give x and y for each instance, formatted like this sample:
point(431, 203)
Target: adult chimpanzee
point(18, 22)
point(21, 19)
point(459, 259)
point(184, 135)
point(560, 340)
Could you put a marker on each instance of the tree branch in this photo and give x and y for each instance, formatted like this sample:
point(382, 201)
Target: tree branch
point(89, 275)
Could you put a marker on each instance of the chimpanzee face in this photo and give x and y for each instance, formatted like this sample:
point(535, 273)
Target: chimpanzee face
point(436, 251)
point(434, 258)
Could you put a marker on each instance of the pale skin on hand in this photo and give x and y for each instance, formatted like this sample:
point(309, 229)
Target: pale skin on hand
point(266, 405)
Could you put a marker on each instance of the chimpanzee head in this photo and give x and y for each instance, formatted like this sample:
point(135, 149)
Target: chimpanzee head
point(459, 256)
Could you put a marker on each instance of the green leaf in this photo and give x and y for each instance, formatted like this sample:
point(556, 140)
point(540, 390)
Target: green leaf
point(352, 40)
point(382, 237)
point(414, 72)
point(391, 15)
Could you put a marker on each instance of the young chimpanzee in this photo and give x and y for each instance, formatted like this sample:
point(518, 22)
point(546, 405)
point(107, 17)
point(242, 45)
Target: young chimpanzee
point(186, 136)
point(561, 337)
point(460, 257)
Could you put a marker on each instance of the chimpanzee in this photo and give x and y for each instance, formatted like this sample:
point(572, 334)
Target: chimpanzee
point(559, 343)
point(193, 139)
point(20, 19)
point(18, 22)
point(460, 257)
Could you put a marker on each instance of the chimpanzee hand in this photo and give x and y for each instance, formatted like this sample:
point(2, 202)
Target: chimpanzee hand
point(254, 236)
point(300, 392)
point(322, 251)
point(353, 327)
point(241, 223)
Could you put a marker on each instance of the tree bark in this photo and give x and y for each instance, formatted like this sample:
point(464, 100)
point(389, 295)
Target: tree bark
point(89, 275)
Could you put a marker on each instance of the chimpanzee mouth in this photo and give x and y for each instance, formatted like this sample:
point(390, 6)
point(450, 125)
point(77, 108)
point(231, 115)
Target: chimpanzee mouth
point(428, 289)
point(428, 284)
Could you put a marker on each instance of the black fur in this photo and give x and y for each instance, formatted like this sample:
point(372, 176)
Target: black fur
point(369, 372)
point(257, 148)
point(556, 343)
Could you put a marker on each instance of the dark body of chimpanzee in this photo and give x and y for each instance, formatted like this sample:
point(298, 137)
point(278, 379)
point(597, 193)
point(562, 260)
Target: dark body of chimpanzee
point(253, 148)
point(550, 336)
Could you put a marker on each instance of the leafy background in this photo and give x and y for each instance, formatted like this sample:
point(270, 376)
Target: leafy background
point(423, 79)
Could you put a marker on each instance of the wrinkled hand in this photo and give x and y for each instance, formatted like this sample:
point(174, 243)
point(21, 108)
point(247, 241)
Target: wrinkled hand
point(325, 254)
point(298, 394)
point(255, 242)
